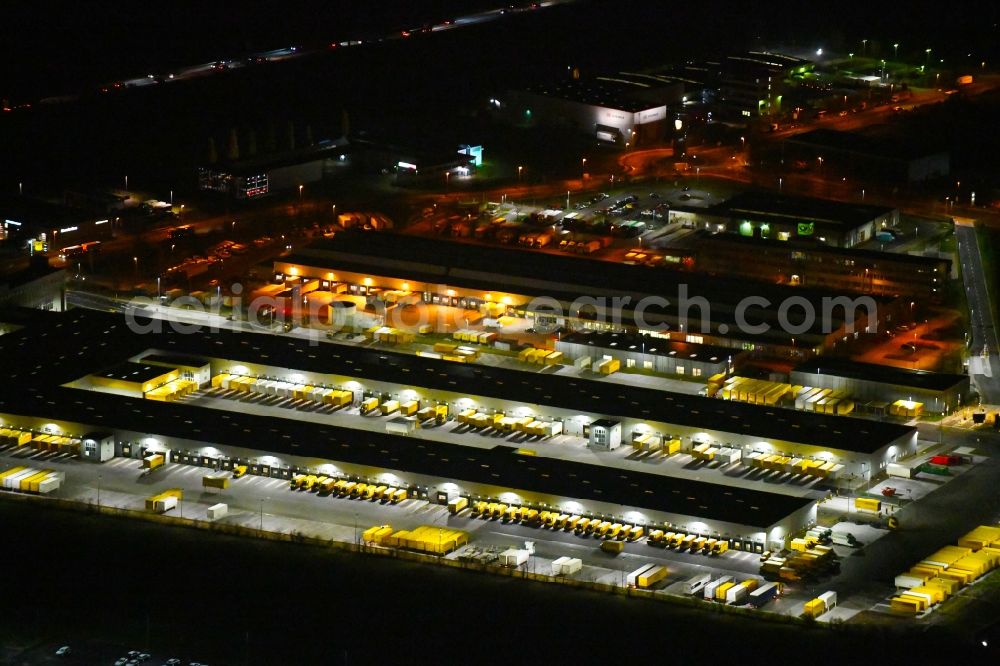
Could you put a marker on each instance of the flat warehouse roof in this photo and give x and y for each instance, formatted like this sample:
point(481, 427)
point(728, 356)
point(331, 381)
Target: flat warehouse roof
point(488, 267)
point(885, 374)
point(500, 466)
point(175, 360)
point(754, 205)
point(645, 344)
point(61, 350)
point(132, 372)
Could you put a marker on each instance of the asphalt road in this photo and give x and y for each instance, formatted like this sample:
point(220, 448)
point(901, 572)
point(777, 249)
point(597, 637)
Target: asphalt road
point(982, 327)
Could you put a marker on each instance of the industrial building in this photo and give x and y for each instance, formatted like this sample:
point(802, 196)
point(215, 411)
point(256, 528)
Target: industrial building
point(38, 286)
point(39, 225)
point(870, 156)
point(427, 466)
point(259, 176)
point(645, 352)
point(592, 295)
point(936, 392)
point(780, 217)
point(622, 109)
point(753, 83)
point(810, 264)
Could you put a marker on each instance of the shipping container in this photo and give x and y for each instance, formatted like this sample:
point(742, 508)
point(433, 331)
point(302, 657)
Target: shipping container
point(217, 511)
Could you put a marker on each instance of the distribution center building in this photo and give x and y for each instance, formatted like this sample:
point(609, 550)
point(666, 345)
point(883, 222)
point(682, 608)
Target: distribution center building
point(938, 392)
point(432, 465)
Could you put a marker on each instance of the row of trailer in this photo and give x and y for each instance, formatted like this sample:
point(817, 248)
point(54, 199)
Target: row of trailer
point(475, 337)
point(432, 539)
point(40, 442)
point(31, 480)
point(455, 353)
point(790, 465)
point(654, 441)
point(768, 393)
point(693, 543)
point(540, 356)
point(944, 573)
point(509, 424)
point(724, 455)
point(271, 387)
point(389, 335)
point(819, 605)
point(174, 390)
point(328, 485)
point(581, 525)
point(726, 589)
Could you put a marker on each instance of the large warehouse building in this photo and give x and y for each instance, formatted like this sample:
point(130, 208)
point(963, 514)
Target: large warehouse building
point(811, 264)
point(626, 108)
point(47, 397)
point(470, 277)
point(781, 217)
point(936, 392)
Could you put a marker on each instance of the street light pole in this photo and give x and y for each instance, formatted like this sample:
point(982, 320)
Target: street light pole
point(261, 500)
point(895, 51)
point(98, 490)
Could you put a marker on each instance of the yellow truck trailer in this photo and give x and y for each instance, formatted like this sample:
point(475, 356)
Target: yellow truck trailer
point(369, 492)
point(655, 537)
point(457, 504)
point(239, 470)
point(348, 488)
point(583, 524)
point(296, 481)
point(369, 405)
point(651, 577)
point(358, 489)
point(867, 504)
point(309, 482)
point(327, 486)
point(210, 481)
point(399, 496)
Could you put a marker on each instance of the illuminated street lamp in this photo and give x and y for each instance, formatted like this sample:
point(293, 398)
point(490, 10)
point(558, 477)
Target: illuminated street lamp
point(864, 47)
point(135, 260)
point(519, 170)
point(927, 58)
point(895, 51)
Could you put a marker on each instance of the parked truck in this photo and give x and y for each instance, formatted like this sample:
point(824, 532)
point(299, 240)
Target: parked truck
point(764, 593)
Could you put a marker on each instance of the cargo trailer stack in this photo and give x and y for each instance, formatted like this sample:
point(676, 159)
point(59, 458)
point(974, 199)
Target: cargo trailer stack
point(428, 539)
point(566, 566)
point(32, 480)
point(945, 572)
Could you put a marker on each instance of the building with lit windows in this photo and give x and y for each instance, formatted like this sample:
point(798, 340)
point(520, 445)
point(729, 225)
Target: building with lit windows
point(753, 83)
point(588, 294)
point(781, 217)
